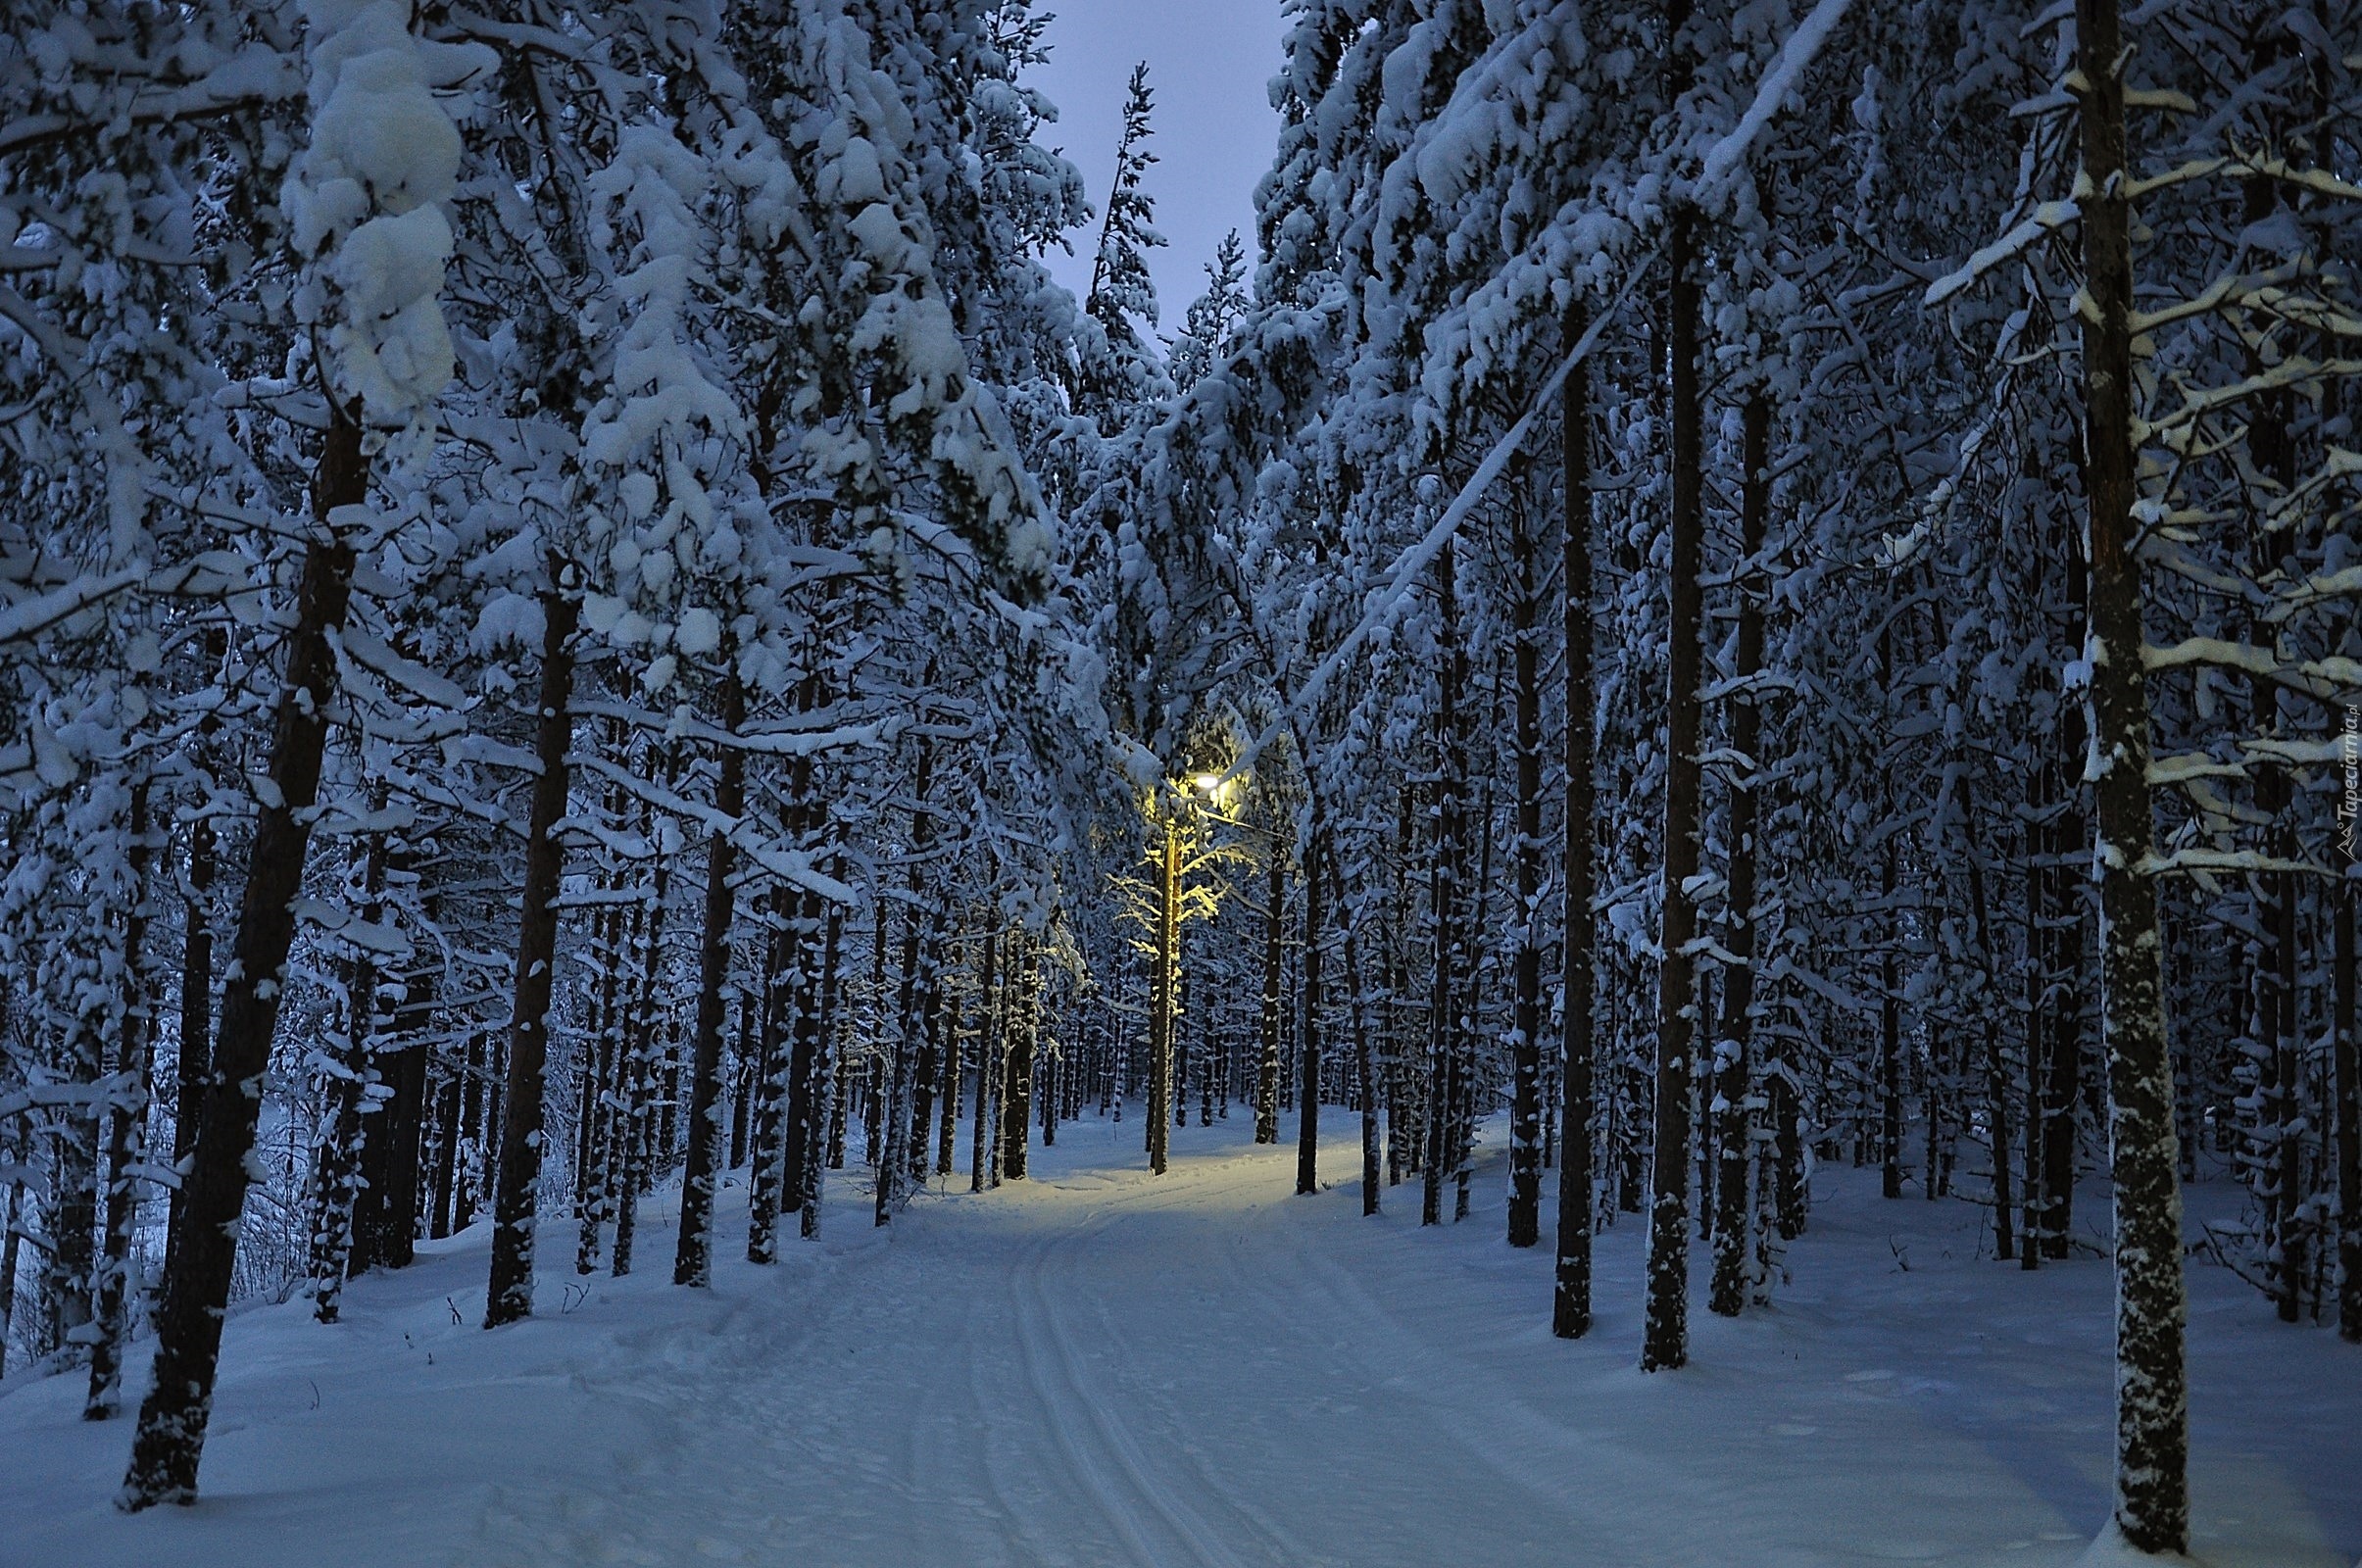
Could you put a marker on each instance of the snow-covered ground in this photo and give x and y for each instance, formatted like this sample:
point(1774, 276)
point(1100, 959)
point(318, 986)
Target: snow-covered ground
point(1098, 1368)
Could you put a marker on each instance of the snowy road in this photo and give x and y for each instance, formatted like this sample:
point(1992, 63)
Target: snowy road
point(1097, 1369)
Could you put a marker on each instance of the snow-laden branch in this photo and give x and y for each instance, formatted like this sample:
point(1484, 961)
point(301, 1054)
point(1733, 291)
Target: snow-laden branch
point(1387, 604)
point(2044, 220)
point(1725, 160)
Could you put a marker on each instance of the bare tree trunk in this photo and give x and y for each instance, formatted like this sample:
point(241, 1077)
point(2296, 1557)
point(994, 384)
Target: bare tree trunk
point(1449, 896)
point(1161, 997)
point(1733, 1085)
point(2346, 1074)
point(1267, 1078)
point(767, 1157)
point(825, 1126)
point(1570, 1307)
point(126, 1133)
point(516, 1193)
point(693, 1252)
point(171, 1438)
point(336, 1162)
point(1525, 1112)
point(2153, 1417)
point(1890, 1035)
point(1665, 1335)
point(598, 1100)
point(987, 1061)
point(638, 1114)
point(1307, 1077)
point(1016, 1099)
point(1365, 1054)
point(196, 999)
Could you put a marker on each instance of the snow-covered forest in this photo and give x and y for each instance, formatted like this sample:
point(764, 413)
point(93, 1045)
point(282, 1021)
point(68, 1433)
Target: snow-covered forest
point(1705, 714)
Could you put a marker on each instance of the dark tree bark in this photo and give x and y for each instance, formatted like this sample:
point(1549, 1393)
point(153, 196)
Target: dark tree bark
point(1571, 1308)
point(1161, 997)
point(171, 1438)
point(1665, 1335)
point(905, 1112)
point(1267, 1076)
point(947, 1053)
point(1890, 1035)
point(385, 1210)
point(987, 1061)
point(2153, 1417)
point(126, 1134)
point(1734, 1078)
point(603, 1054)
point(1365, 1050)
point(1525, 1110)
point(517, 1189)
point(196, 996)
point(1996, 1066)
point(766, 1174)
point(825, 1131)
point(639, 1074)
point(1016, 1101)
point(2347, 1077)
point(807, 1109)
point(1449, 895)
point(693, 1252)
point(1308, 1075)
point(336, 1163)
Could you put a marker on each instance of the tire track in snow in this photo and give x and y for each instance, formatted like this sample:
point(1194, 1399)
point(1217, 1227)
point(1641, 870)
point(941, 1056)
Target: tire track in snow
point(1135, 1500)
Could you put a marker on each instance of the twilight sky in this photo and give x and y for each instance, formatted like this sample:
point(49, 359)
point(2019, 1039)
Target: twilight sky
point(1209, 64)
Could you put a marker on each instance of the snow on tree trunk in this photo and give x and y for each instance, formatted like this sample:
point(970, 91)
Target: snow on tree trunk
point(1307, 1077)
point(517, 1187)
point(1525, 1112)
point(126, 1130)
point(2153, 1418)
point(1570, 1307)
point(1665, 1334)
point(171, 1438)
point(693, 1251)
point(1735, 1104)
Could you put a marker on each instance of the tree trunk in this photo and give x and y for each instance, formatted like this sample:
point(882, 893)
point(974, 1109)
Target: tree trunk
point(638, 1114)
point(516, 1195)
point(171, 1438)
point(2346, 1075)
point(1570, 1307)
point(1665, 1335)
point(1448, 892)
point(826, 1131)
point(336, 1176)
point(1365, 1052)
point(1890, 1035)
point(1162, 998)
point(598, 1100)
point(126, 1133)
point(946, 1053)
point(2152, 1419)
point(1734, 1086)
point(1017, 1103)
point(1525, 1110)
point(1307, 1076)
point(1266, 1077)
point(768, 1149)
point(988, 943)
point(196, 1004)
point(693, 1254)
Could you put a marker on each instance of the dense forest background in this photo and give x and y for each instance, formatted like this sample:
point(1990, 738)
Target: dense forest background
point(1752, 584)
